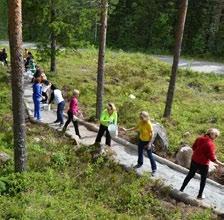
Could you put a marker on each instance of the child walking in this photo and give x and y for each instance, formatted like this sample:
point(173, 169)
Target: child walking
point(108, 116)
point(73, 112)
point(145, 129)
point(37, 97)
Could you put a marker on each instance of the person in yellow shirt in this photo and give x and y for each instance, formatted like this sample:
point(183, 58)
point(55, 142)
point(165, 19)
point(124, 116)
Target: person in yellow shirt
point(145, 129)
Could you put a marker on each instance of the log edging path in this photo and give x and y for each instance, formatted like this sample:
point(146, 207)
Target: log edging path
point(169, 173)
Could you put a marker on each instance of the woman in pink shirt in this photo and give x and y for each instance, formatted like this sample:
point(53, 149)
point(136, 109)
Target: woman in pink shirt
point(73, 113)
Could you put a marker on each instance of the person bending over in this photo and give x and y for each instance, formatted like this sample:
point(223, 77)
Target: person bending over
point(56, 96)
point(203, 153)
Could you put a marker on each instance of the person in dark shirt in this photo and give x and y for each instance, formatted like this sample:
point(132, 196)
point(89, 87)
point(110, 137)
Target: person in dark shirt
point(29, 59)
point(3, 57)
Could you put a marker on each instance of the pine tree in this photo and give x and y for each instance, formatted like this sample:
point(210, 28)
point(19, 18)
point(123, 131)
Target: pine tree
point(177, 52)
point(15, 41)
point(101, 58)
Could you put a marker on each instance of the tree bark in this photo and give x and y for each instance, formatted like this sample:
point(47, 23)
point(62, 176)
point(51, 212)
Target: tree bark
point(101, 58)
point(53, 39)
point(17, 68)
point(53, 53)
point(177, 52)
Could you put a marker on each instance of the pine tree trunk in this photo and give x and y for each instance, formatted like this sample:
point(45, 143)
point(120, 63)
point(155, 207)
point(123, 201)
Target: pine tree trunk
point(53, 53)
point(53, 39)
point(17, 67)
point(177, 52)
point(101, 58)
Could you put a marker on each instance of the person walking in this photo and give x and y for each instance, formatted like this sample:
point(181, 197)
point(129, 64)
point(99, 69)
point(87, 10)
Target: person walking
point(37, 97)
point(3, 57)
point(203, 153)
point(56, 96)
point(73, 113)
point(108, 116)
point(145, 129)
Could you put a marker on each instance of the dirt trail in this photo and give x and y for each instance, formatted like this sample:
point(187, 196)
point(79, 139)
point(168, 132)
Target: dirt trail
point(128, 156)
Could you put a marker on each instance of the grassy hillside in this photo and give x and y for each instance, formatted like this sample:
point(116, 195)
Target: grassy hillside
point(198, 102)
point(63, 182)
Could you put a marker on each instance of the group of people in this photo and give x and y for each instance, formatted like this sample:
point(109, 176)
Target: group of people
point(46, 92)
point(3, 57)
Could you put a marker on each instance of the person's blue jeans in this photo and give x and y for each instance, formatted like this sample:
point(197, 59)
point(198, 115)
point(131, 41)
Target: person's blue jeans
point(60, 109)
point(141, 147)
point(37, 108)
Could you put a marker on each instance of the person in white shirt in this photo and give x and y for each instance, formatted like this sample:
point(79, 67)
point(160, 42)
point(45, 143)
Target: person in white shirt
point(56, 96)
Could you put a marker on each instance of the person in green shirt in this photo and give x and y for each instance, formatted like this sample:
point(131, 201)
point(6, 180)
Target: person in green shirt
point(108, 116)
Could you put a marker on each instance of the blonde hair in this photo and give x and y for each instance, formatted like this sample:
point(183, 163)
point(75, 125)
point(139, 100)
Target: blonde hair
point(112, 105)
point(145, 115)
point(213, 131)
point(76, 92)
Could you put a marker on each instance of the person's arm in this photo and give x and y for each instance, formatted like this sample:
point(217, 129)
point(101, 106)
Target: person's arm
point(150, 131)
point(115, 118)
point(218, 162)
point(104, 118)
point(212, 155)
point(76, 106)
point(51, 98)
point(131, 129)
point(194, 146)
point(40, 90)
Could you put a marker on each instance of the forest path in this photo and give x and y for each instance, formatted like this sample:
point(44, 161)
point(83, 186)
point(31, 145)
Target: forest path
point(195, 65)
point(5, 43)
point(128, 157)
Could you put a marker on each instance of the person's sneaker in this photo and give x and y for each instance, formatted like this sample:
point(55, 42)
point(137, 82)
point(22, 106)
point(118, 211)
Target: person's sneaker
point(56, 122)
point(154, 173)
point(61, 125)
point(137, 166)
point(201, 197)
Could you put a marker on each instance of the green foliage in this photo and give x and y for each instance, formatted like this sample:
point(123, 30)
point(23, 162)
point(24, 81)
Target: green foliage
point(3, 20)
point(72, 23)
point(146, 25)
point(197, 101)
point(13, 184)
point(66, 183)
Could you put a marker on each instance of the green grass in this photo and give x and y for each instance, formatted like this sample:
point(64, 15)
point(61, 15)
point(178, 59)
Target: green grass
point(63, 182)
point(198, 102)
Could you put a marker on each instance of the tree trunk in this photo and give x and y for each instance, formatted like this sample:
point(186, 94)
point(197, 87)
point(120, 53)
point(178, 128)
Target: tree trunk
point(53, 53)
point(17, 68)
point(101, 58)
point(177, 52)
point(53, 39)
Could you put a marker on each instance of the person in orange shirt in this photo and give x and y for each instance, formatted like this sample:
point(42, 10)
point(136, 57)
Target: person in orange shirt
point(145, 129)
